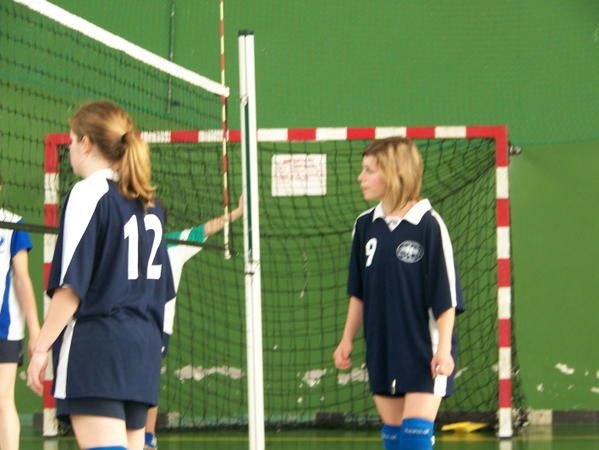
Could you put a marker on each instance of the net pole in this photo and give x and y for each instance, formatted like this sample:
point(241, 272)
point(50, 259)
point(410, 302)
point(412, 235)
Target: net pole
point(225, 156)
point(251, 231)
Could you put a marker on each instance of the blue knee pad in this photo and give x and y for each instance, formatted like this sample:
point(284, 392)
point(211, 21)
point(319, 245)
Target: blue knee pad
point(416, 434)
point(390, 436)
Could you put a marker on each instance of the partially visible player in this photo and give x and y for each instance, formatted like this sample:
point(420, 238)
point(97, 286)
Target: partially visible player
point(109, 282)
point(404, 289)
point(179, 254)
point(17, 306)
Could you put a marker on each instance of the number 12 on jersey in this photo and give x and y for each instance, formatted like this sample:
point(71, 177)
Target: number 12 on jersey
point(151, 223)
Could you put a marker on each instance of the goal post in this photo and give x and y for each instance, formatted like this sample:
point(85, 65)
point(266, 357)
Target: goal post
point(305, 234)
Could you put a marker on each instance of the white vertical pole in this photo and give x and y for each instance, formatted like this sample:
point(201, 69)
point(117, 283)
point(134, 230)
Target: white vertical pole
point(251, 246)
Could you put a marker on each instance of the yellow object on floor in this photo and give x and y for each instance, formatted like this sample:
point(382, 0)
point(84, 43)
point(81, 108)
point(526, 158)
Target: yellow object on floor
point(464, 427)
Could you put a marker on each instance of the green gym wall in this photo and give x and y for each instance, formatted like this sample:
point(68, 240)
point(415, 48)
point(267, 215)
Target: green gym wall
point(529, 65)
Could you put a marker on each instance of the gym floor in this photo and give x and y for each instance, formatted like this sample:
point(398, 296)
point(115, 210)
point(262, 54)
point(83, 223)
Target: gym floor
point(557, 437)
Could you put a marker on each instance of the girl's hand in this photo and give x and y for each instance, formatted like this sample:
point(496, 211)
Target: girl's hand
point(36, 371)
point(442, 364)
point(238, 212)
point(342, 354)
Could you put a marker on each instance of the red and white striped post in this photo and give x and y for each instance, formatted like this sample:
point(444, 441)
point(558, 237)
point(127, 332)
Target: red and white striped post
point(504, 284)
point(225, 156)
point(51, 179)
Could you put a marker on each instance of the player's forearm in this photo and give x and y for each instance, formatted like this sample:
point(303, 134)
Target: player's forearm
point(214, 226)
point(218, 223)
point(62, 308)
point(355, 314)
point(24, 292)
point(445, 324)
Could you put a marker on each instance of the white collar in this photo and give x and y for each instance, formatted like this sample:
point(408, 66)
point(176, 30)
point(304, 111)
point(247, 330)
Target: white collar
point(107, 173)
point(414, 215)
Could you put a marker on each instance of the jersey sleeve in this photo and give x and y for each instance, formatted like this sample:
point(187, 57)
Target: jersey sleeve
point(195, 234)
point(75, 253)
point(354, 279)
point(185, 252)
point(20, 241)
point(443, 285)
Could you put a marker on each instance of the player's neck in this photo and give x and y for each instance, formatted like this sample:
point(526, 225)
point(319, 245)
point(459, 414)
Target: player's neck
point(93, 165)
point(397, 212)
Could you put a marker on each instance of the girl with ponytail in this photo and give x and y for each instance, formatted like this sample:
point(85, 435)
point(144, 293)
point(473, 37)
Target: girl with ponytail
point(111, 129)
point(109, 282)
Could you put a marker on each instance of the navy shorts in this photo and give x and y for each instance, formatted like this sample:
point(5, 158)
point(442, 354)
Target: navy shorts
point(11, 352)
point(133, 413)
point(390, 395)
point(442, 386)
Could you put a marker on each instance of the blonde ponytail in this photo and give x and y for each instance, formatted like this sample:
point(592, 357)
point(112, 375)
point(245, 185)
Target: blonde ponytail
point(135, 170)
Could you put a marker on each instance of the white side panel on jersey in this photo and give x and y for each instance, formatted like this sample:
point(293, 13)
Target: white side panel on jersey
point(60, 389)
point(355, 223)
point(16, 326)
point(433, 330)
point(448, 254)
point(169, 316)
point(440, 386)
point(16, 329)
point(80, 209)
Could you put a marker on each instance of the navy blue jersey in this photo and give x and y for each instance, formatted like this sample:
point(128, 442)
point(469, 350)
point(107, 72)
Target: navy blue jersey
point(112, 255)
point(403, 271)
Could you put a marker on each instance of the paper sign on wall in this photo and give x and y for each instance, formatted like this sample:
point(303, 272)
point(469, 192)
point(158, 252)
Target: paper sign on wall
point(299, 174)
